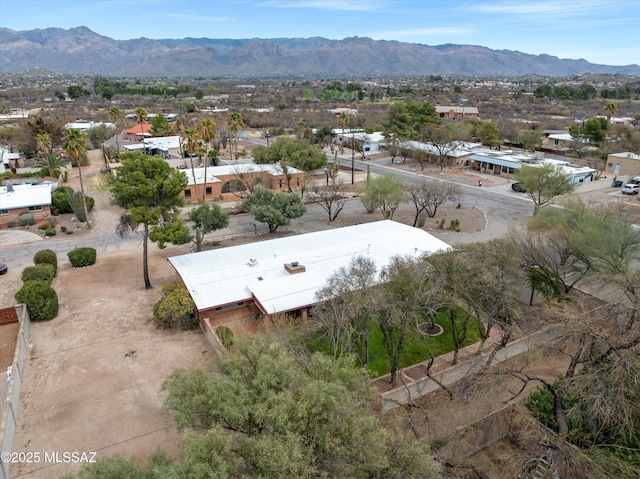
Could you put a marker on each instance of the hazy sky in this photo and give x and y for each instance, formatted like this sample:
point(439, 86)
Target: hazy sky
point(600, 31)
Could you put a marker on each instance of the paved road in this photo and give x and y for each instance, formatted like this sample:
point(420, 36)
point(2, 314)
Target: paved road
point(502, 207)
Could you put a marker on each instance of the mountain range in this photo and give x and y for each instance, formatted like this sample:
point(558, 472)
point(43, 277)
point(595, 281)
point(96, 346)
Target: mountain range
point(80, 50)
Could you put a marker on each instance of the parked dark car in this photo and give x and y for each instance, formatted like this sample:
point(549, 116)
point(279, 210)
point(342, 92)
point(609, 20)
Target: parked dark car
point(518, 187)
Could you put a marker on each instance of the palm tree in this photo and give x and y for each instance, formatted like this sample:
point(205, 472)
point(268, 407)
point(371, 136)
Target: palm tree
point(47, 159)
point(611, 109)
point(75, 144)
point(235, 124)
point(343, 120)
point(44, 143)
point(116, 118)
point(207, 132)
point(189, 139)
point(141, 116)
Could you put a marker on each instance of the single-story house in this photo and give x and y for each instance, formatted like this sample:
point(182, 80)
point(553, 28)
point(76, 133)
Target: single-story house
point(231, 182)
point(283, 275)
point(87, 125)
point(166, 147)
point(367, 142)
point(16, 200)
point(629, 164)
point(6, 157)
point(508, 163)
point(457, 113)
point(139, 131)
point(456, 152)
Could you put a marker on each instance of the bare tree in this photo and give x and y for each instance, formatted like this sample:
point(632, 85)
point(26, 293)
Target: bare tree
point(345, 307)
point(428, 195)
point(443, 140)
point(332, 197)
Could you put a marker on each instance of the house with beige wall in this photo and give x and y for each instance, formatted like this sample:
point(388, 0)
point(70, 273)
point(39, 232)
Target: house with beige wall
point(234, 182)
point(629, 164)
point(457, 113)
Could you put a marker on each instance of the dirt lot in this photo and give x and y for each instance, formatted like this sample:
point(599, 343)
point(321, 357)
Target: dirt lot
point(95, 371)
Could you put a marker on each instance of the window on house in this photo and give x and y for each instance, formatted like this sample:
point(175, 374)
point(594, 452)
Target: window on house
point(35, 208)
point(187, 193)
point(280, 182)
point(4, 212)
point(230, 306)
point(208, 190)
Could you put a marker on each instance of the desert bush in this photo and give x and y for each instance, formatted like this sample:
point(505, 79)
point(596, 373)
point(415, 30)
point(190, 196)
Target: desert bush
point(62, 197)
point(50, 231)
point(26, 219)
point(46, 256)
point(40, 298)
point(174, 307)
point(80, 257)
point(225, 335)
point(43, 272)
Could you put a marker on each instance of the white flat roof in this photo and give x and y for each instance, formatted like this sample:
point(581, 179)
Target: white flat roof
point(214, 171)
point(24, 196)
point(256, 270)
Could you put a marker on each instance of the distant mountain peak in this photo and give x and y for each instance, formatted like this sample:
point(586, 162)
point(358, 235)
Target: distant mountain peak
point(79, 49)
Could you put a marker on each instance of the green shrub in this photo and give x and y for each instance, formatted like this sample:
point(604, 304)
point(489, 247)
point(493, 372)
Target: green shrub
point(38, 273)
point(80, 257)
point(50, 231)
point(46, 256)
point(174, 307)
point(62, 197)
point(225, 335)
point(26, 219)
point(40, 298)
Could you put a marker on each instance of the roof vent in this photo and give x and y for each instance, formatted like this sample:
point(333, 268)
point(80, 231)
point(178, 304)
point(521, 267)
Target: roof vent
point(294, 267)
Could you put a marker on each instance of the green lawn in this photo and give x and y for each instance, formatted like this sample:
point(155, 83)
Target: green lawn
point(416, 347)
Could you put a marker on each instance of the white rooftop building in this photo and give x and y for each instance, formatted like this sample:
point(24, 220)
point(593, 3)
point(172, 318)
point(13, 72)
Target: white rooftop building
point(283, 275)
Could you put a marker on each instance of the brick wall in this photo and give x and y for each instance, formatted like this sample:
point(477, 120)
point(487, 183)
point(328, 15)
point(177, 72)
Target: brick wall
point(14, 216)
point(216, 318)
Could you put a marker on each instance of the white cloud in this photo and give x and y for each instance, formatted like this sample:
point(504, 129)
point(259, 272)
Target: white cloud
point(421, 32)
point(341, 5)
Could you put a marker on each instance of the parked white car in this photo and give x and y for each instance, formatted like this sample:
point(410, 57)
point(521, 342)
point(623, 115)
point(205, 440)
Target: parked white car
point(630, 189)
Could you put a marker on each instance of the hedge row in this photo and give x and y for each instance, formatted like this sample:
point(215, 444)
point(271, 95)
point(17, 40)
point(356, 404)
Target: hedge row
point(36, 292)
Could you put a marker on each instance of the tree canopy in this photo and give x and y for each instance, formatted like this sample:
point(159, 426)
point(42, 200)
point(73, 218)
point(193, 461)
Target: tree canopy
point(543, 183)
point(207, 218)
point(594, 131)
point(275, 209)
point(295, 151)
point(150, 190)
point(386, 193)
point(276, 415)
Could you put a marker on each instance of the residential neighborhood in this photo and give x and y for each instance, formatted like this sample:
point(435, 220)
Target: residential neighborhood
point(241, 275)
